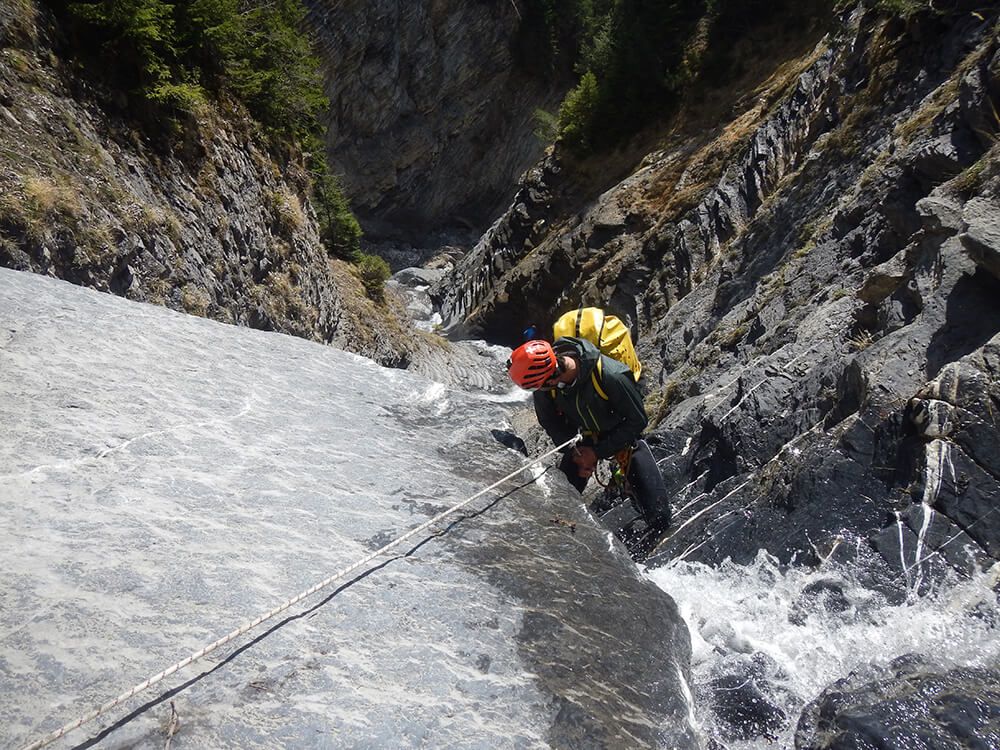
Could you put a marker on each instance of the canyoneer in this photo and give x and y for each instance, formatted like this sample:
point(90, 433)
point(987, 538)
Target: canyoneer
point(578, 389)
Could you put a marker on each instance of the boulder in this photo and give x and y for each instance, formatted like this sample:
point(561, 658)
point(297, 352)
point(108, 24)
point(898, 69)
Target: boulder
point(981, 238)
point(909, 703)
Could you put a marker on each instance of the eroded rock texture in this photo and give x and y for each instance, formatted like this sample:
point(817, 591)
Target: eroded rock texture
point(432, 112)
point(819, 322)
point(214, 224)
point(166, 479)
point(905, 704)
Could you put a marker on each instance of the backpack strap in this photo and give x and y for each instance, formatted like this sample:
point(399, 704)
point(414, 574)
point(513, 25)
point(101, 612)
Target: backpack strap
point(596, 376)
point(600, 329)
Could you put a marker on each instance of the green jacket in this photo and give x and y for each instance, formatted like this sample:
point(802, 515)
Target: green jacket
point(613, 423)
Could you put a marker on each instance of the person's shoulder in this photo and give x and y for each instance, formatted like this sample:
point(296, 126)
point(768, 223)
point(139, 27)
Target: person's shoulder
point(567, 344)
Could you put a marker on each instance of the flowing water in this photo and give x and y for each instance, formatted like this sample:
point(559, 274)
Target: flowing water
point(777, 636)
point(162, 483)
point(787, 633)
point(166, 479)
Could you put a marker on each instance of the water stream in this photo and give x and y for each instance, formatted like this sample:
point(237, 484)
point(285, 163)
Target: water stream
point(783, 634)
point(769, 638)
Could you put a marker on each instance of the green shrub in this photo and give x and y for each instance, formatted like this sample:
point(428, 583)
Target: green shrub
point(904, 8)
point(643, 53)
point(338, 228)
point(628, 54)
point(546, 126)
point(373, 272)
point(174, 56)
point(169, 54)
point(289, 218)
point(576, 114)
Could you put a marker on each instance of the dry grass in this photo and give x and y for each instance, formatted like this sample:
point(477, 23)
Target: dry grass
point(96, 244)
point(367, 327)
point(150, 218)
point(34, 203)
point(861, 340)
point(19, 19)
point(684, 184)
point(943, 96)
point(659, 402)
point(195, 300)
point(47, 198)
point(284, 299)
point(972, 179)
point(288, 212)
point(16, 60)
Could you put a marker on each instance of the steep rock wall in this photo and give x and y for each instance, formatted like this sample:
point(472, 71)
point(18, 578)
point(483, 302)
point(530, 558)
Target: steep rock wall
point(801, 314)
point(212, 224)
point(431, 117)
point(815, 294)
point(166, 478)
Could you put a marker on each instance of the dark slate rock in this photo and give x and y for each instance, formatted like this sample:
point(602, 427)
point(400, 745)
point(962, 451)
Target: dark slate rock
point(744, 702)
point(418, 277)
point(940, 214)
point(982, 237)
point(908, 704)
point(825, 595)
point(967, 495)
point(885, 279)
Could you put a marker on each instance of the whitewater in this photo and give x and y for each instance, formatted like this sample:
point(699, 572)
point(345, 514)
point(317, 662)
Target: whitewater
point(785, 633)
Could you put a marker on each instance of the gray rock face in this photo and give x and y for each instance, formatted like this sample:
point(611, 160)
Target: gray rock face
point(219, 232)
point(615, 250)
point(819, 327)
point(906, 705)
point(501, 262)
point(424, 92)
point(981, 238)
point(213, 226)
point(165, 479)
point(793, 320)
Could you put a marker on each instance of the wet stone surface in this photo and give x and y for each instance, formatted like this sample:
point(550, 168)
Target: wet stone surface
point(165, 479)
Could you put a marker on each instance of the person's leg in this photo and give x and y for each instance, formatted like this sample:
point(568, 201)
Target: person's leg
point(568, 467)
point(647, 486)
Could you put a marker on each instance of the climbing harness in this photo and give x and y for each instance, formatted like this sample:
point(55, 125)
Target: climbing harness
point(90, 716)
point(619, 472)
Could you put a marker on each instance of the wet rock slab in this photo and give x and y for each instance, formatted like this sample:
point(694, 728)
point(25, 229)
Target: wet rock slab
point(165, 479)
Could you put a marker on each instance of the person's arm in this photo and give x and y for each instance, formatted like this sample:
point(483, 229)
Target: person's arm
point(555, 424)
point(625, 399)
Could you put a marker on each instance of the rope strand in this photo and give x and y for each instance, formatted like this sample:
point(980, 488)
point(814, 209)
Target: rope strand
point(146, 684)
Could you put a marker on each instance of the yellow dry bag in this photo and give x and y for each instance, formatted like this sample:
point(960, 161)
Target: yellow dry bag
point(606, 332)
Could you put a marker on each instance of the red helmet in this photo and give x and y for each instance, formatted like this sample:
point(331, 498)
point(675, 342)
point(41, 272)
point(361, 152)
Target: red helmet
point(532, 364)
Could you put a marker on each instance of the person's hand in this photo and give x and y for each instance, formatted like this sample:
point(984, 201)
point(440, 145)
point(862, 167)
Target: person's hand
point(585, 460)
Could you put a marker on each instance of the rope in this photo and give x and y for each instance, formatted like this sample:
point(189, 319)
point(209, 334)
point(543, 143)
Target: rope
point(90, 716)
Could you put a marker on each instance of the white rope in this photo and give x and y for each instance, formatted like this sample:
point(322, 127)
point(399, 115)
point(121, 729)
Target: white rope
point(53, 736)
